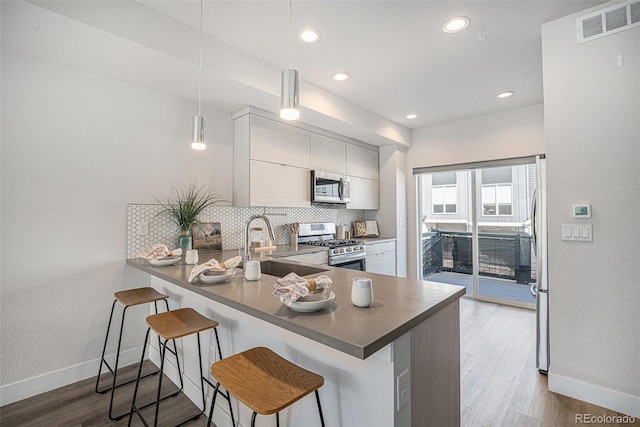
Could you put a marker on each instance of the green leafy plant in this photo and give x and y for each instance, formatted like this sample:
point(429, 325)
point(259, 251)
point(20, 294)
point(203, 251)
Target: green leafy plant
point(186, 203)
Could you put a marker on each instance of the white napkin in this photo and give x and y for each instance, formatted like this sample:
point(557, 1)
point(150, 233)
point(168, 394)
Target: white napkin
point(159, 251)
point(291, 287)
point(214, 265)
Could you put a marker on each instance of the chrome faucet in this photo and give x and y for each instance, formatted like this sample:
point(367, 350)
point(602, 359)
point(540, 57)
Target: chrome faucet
point(246, 234)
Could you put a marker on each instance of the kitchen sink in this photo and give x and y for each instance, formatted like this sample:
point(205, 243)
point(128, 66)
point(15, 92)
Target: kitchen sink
point(281, 268)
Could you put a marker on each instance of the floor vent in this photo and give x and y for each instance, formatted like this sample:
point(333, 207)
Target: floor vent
point(613, 19)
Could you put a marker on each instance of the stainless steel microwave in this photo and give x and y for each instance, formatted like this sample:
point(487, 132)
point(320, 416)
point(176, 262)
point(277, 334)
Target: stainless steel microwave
point(329, 188)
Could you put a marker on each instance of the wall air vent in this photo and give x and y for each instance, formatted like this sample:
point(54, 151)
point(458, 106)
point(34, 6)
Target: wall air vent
point(613, 19)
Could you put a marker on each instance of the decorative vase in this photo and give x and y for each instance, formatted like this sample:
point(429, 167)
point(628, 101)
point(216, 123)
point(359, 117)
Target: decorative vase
point(184, 241)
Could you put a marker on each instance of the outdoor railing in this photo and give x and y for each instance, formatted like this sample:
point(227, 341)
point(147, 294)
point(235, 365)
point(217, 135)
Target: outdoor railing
point(506, 256)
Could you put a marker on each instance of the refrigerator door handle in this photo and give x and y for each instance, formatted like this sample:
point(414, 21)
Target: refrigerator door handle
point(534, 202)
point(534, 290)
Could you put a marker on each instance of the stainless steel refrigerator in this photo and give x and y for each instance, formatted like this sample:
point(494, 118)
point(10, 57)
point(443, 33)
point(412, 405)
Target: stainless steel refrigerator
point(540, 289)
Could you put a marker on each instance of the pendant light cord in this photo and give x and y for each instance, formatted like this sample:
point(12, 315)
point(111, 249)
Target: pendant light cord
point(290, 34)
point(200, 72)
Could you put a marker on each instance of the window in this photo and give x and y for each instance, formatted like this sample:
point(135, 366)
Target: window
point(444, 193)
point(496, 200)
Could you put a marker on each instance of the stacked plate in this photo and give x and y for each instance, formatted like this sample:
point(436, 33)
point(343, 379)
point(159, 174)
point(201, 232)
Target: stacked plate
point(311, 306)
point(213, 277)
point(171, 260)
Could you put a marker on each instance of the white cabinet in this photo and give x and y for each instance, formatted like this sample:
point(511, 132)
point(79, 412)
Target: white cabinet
point(278, 185)
point(275, 142)
point(328, 154)
point(271, 163)
point(320, 258)
point(362, 169)
point(381, 258)
point(362, 162)
point(365, 193)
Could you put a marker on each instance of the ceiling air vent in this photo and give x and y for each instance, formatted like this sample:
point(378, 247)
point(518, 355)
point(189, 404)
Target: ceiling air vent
point(610, 20)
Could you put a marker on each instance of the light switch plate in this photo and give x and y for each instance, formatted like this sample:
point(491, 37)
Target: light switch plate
point(577, 232)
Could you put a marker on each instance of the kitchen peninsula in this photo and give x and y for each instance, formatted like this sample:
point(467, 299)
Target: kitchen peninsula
point(412, 326)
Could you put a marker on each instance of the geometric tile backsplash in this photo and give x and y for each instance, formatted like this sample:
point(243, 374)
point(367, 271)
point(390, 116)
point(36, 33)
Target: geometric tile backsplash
point(232, 221)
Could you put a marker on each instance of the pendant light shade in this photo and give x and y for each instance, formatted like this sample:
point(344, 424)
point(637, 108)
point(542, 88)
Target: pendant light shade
point(290, 95)
point(199, 122)
point(199, 125)
point(290, 87)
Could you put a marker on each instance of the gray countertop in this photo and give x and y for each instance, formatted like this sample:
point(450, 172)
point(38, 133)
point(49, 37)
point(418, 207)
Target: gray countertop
point(373, 240)
point(399, 304)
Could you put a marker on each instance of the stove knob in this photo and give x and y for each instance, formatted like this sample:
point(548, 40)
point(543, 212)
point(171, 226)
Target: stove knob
point(339, 251)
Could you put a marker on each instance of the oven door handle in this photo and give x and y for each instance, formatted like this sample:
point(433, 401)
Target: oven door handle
point(346, 257)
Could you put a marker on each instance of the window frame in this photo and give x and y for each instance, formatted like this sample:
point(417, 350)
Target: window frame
point(496, 204)
point(444, 204)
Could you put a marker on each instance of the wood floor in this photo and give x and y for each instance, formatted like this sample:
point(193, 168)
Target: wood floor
point(500, 384)
point(499, 380)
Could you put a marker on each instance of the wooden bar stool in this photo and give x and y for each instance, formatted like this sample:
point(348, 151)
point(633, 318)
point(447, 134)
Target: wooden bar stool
point(265, 382)
point(127, 298)
point(170, 326)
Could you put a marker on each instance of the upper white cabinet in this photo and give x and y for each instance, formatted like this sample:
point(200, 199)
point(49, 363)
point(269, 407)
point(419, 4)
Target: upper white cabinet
point(271, 163)
point(362, 162)
point(328, 154)
point(275, 142)
point(365, 193)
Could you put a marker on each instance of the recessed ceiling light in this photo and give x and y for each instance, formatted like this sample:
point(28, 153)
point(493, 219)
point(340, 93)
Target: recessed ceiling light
point(455, 24)
point(310, 36)
point(341, 76)
point(411, 116)
point(506, 94)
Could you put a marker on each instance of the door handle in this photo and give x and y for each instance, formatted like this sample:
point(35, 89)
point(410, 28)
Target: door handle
point(341, 189)
point(534, 289)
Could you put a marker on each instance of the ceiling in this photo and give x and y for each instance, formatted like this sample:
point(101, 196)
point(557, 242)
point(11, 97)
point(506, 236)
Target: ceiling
point(400, 60)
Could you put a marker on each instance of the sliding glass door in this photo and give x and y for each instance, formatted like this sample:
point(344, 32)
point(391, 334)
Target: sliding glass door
point(476, 229)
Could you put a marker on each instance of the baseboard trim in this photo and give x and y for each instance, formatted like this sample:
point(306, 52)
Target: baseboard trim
point(19, 390)
point(610, 399)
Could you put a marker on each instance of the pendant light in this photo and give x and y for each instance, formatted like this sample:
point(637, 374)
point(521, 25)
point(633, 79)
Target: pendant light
point(290, 88)
point(199, 122)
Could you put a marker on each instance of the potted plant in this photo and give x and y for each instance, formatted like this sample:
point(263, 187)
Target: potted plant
point(184, 205)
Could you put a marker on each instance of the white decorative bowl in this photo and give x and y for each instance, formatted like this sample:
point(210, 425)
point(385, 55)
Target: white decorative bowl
point(318, 295)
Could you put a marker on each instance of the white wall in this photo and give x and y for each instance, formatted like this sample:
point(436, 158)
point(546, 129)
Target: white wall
point(76, 148)
point(592, 120)
point(508, 134)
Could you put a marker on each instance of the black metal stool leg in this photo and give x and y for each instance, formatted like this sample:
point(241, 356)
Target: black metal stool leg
point(319, 408)
point(164, 351)
point(135, 391)
point(213, 404)
point(277, 419)
point(253, 420)
point(104, 350)
point(217, 388)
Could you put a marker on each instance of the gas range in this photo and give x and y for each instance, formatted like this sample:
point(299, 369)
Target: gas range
point(340, 246)
point(348, 253)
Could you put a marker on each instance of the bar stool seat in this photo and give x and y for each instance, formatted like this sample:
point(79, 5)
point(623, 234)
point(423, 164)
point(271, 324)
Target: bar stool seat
point(127, 298)
point(170, 326)
point(265, 382)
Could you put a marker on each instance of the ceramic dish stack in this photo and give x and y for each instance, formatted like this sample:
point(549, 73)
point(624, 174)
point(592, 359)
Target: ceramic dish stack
point(163, 262)
point(311, 306)
point(213, 277)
